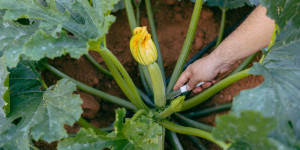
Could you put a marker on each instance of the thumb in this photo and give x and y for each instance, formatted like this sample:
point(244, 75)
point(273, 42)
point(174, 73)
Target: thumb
point(191, 84)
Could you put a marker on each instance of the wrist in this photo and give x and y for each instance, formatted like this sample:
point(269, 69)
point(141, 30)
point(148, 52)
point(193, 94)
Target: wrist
point(222, 62)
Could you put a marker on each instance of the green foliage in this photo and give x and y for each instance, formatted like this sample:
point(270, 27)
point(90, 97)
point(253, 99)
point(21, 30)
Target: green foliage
point(140, 132)
point(86, 139)
point(247, 130)
point(4, 92)
point(35, 112)
point(284, 12)
point(51, 21)
point(231, 4)
point(278, 96)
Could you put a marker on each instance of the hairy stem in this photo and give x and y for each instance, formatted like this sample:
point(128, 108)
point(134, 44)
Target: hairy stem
point(208, 110)
point(154, 37)
point(89, 89)
point(97, 65)
point(173, 138)
point(132, 87)
point(272, 42)
point(130, 15)
point(220, 37)
point(164, 114)
point(193, 131)
point(214, 89)
point(186, 46)
point(192, 123)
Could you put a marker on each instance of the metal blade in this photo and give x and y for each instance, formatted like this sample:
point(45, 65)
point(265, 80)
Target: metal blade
point(173, 94)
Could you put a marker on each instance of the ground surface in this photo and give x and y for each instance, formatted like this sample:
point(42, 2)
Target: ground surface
point(172, 21)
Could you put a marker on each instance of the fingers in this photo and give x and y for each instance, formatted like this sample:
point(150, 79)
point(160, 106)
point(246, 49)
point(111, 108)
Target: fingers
point(192, 83)
point(184, 77)
point(204, 86)
point(197, 89)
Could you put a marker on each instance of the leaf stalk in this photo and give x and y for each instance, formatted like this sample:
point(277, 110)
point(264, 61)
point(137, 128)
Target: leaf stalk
point(186, 46)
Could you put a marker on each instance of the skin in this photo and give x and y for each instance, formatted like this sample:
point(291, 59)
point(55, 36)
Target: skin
point(252, 35)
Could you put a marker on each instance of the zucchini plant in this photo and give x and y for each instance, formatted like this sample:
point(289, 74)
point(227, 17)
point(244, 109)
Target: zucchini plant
point(265, 117)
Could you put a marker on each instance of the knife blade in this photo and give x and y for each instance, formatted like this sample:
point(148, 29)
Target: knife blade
point(180, 91)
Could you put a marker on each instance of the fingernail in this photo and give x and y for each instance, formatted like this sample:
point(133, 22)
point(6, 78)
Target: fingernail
point(188, 87)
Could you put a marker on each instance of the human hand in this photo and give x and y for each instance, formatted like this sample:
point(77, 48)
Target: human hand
point(205, 69)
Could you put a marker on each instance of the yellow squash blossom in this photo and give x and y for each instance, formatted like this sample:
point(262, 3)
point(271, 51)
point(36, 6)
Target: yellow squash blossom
point(142, 47)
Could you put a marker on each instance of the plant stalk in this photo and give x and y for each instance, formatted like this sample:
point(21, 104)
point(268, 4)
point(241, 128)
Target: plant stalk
point(173, 138)
point(272, 42)
point(85, 124)
point(97, 65)
point(132, 87)
point(158, 86)
point(192, 123)
point(245, 63)
point(130, 15)
point(155, 38)
point(208, 110)
point(164, 114)
point(144, 81)
point(220, 37)
point(214, 89)
point(126, 84)
point(137, 9)
point(186, 46)
point(192, 131)
point(89, 89)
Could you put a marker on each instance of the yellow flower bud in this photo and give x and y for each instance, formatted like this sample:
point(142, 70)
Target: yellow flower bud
point(142, 47)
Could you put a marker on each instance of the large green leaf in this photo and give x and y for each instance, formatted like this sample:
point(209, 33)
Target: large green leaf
point(231, 4)
point(44, 36)
point(13, 35)
point(41, 114)
point(284, 12)
point(278, 96)
point(86, 139)
point(247, 130)
point(139, 132)
point(4, 92)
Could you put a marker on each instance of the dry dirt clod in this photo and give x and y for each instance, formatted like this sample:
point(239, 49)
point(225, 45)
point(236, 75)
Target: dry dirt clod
point(90, 105)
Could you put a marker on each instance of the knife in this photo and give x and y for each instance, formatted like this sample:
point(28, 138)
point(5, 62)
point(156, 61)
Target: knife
point(180, 91)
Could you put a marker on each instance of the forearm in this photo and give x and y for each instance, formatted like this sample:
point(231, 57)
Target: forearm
point(252, 35)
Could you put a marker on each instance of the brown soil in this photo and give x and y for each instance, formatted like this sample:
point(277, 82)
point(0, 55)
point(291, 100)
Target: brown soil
point(172, 21)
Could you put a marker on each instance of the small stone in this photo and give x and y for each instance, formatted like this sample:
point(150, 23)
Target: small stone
point(90, 105)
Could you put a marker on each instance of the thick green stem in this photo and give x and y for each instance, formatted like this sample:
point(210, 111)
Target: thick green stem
point(220, 37)
point(209, 110)
point(272, 42)
point(155, 39)
point(137, 9)
point(192, 131)
point(85, 124)
point(126, 84)
point(132, 87)
point(164, 114)
point(192, 123)
point(245, 63)
point(144, 81)
point(89, 89)
point(147, 77)
point(97, 65)
point(157, 84)
point(214, 89)
point(130, 15)
point(173, 138)
point(186, 46)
